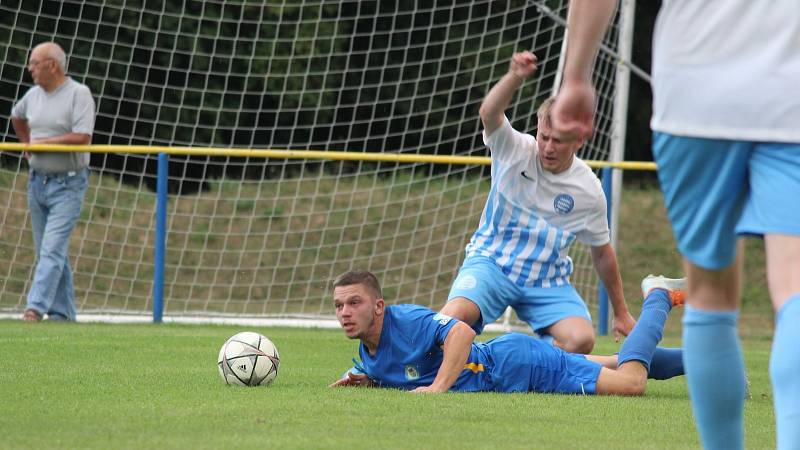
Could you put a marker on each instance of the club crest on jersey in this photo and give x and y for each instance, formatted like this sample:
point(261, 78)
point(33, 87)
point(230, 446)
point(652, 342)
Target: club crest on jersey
point(563, 204)
point(411, 372)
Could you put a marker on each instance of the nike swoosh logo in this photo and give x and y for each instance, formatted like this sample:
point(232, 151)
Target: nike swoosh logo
point(525, 176)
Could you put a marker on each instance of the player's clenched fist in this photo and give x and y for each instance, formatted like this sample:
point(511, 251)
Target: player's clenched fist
point(523, 64)
point(573, 111)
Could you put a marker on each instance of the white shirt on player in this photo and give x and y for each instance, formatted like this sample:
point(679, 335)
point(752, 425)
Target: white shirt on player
point(703, 79)
point(532, 216)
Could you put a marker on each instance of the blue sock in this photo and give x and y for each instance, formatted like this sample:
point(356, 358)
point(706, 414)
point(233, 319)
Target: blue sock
point(666, 363)
point(641, 343)
point(784, 368)
point(712, 356)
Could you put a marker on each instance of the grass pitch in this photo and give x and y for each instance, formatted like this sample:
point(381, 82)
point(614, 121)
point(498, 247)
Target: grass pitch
point(156, 386)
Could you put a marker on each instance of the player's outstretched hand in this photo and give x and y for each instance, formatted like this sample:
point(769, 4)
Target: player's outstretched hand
point(523, 64)
point(355, 380)
point(623, 325)
point(428, 390)
point(573, 111)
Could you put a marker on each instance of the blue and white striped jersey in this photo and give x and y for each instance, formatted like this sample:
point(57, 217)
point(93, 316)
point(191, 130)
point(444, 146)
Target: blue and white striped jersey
point(532, 216)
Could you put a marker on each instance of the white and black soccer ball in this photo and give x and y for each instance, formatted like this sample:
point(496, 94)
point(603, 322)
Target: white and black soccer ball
point(248, 359)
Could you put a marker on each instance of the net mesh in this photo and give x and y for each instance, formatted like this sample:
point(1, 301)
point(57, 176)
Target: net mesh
point(252, 236)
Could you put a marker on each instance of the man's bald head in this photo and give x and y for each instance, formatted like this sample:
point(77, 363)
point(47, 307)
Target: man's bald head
point(51, 50)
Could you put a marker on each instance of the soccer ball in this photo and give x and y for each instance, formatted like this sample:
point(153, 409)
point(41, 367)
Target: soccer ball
point(248, 359)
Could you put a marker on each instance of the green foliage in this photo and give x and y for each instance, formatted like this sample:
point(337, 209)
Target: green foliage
point(377, 76)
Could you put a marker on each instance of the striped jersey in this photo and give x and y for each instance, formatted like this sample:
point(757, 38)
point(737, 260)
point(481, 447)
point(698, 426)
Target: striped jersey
point(532, 216)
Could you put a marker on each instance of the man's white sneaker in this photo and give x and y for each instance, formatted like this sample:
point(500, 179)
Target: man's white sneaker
point(675, 287)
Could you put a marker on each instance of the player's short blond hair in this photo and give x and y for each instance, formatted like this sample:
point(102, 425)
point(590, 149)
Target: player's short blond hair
point(543, 113)
point(363, 277)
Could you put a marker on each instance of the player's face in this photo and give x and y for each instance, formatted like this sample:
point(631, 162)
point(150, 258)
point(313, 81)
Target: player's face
point(356, 309)
point(555, 155)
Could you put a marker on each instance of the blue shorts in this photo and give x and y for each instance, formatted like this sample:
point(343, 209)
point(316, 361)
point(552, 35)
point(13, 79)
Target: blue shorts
point(715, 190)
point(523, 363)
point(480, 281)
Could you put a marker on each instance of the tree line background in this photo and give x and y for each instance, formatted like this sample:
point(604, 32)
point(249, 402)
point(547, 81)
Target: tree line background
point(364, 76)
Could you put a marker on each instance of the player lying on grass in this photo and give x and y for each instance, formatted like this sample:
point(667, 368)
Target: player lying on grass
point(413, 348)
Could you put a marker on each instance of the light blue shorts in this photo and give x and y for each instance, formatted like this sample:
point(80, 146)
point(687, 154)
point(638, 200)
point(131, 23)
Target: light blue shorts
point(483, 283)
point(715, 190)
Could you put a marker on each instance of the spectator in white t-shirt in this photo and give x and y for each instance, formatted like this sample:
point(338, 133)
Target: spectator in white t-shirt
point(58, 110)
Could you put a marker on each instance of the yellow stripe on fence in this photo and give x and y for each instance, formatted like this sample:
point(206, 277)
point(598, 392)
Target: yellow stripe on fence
point(295, 154)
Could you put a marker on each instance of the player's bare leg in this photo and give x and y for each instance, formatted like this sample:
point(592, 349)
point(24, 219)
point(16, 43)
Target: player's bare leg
point(573, 334)
point(636, 355)
point(629, 379)
point(463, 309)
point(607, 361)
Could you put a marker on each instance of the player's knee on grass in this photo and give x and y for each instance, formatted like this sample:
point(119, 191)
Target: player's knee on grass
point(636, 386)
point(622, 382)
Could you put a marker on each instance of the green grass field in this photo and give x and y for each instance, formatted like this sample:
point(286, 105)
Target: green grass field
point(156, 386)
point(145, 386)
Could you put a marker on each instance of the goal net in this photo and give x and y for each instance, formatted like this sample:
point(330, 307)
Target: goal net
point(255, 237)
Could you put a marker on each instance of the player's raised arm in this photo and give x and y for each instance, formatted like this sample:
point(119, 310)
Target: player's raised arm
point(456, 349)
point(573, 112)
point(493, 108)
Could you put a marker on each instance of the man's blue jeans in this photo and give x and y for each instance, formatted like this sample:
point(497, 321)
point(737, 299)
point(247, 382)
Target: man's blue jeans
point(55, 204)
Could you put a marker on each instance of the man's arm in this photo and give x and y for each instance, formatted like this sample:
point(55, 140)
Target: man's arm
point(605, 263)
point(23, 132)
point(494, 105)
point(573, 111)
point(21, 128)
point(66, 139)
point(457, 347)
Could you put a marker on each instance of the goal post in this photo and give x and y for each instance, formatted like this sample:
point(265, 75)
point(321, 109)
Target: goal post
point(253, 236)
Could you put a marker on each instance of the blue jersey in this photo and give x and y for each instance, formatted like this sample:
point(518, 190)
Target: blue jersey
point(410, 353)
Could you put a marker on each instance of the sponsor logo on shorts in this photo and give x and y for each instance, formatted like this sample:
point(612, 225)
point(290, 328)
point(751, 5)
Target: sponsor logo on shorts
point(411, 372)
point(563, 204)
point(466, 282)
point(442, 319)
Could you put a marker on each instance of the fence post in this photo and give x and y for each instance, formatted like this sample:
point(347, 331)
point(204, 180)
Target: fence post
point(161, 237)
point(602, 301)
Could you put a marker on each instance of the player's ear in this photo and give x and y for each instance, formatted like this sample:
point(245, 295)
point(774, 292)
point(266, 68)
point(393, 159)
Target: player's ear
point(379, 306)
